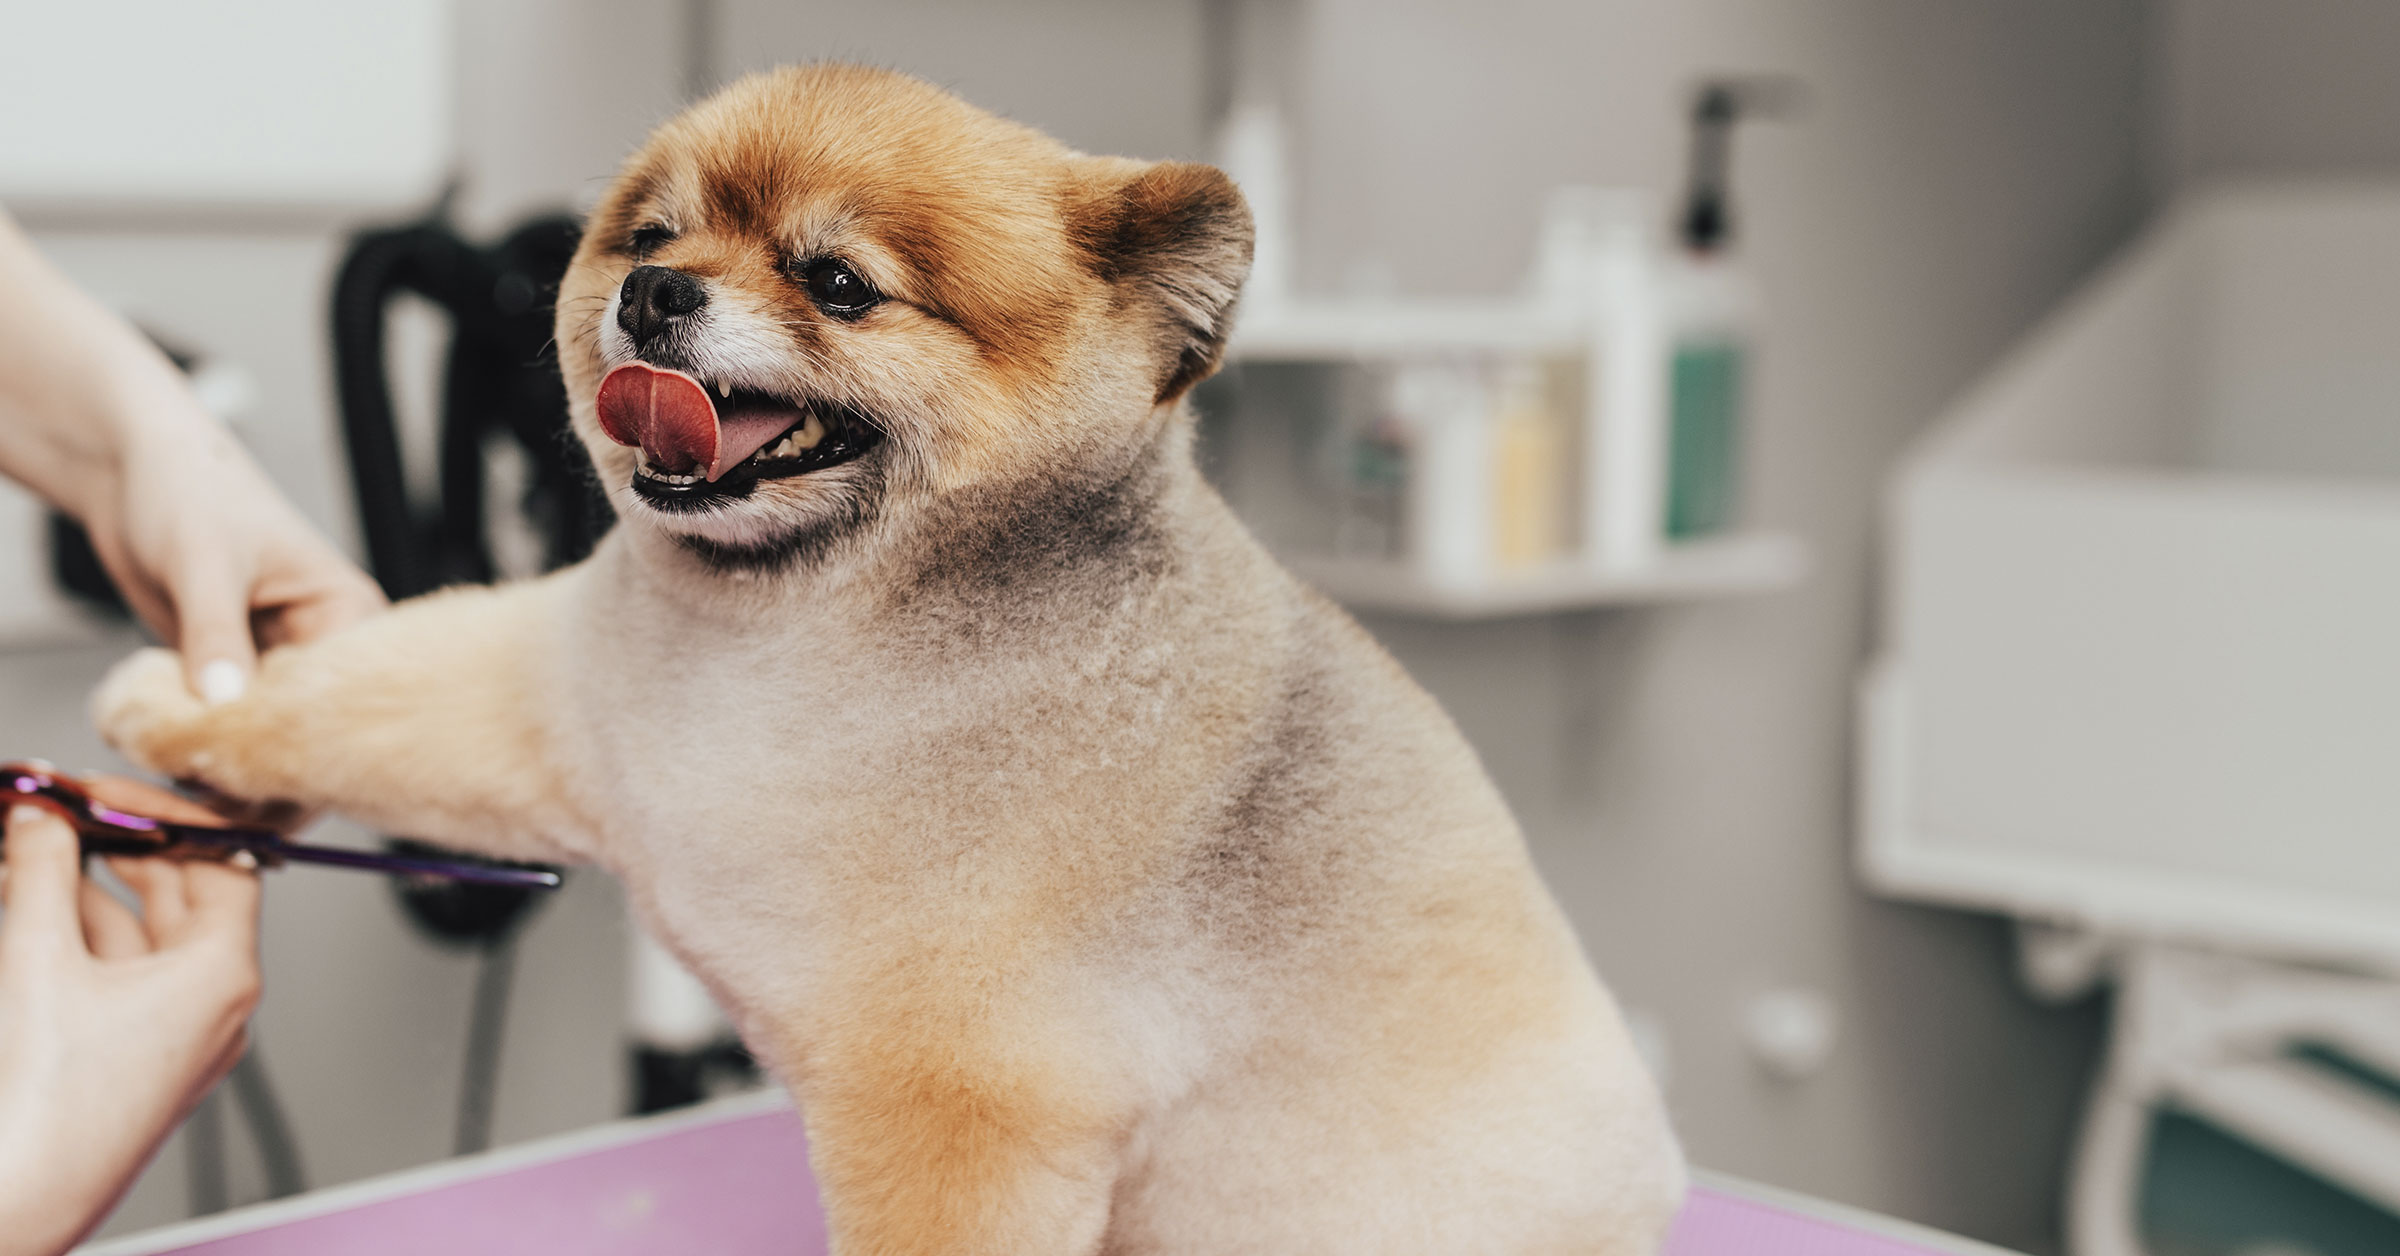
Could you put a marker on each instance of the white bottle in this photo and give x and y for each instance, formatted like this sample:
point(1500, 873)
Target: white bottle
point(1625, 394)
point(1251, 149)
point(1671, 340)
point(1446, 407)
point(1710, 311)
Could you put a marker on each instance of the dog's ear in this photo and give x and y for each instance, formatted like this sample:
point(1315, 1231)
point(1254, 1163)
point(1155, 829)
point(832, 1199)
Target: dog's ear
point(1173, 238)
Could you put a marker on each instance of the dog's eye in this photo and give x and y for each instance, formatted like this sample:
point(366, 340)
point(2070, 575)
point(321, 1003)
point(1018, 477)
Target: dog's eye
point(837, 289)
point(646, 240)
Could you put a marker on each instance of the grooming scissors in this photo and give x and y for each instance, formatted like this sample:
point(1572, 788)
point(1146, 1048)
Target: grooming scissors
point(116, 815)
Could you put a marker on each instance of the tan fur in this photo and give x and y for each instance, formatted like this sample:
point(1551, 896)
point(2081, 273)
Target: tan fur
point(1094, 886)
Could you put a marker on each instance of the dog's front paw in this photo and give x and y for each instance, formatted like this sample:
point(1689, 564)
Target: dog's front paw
point(145, 710)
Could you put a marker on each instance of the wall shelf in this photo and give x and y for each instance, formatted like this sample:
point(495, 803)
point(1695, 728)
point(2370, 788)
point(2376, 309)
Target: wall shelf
point(1319, 332)
point(1368, 331)
point(1754, 562)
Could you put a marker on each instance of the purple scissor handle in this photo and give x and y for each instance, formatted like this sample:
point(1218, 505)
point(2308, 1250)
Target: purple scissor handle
point(124, 829)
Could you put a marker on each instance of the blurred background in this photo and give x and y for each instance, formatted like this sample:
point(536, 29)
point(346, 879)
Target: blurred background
point(1649, 480)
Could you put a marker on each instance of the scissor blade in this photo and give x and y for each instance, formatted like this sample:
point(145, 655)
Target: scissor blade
point(410, 865)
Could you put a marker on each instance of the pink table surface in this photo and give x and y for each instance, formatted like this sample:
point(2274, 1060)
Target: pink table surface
point(732, 1180)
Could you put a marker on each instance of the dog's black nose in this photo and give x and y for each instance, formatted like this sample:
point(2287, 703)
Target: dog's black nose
point(654, 297)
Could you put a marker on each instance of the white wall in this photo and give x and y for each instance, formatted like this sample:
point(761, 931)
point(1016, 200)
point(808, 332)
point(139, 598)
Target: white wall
point(2298, 87)
point(553, 94)
point(1103, 75)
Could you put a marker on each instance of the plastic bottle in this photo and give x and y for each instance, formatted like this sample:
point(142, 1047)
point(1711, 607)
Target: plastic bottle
point(1531, 472)
point(1251, 149)
point(1710, 309)
point(1446, 407)
point(1624, 438)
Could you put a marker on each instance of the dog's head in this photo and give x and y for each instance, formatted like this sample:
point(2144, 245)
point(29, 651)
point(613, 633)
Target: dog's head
point(831, 296)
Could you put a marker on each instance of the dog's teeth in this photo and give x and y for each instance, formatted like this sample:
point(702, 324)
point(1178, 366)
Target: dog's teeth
point(725, 389)
point(796, 442)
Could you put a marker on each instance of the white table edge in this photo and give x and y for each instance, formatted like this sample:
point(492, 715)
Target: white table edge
point(600, 1137)
point(433, 1176)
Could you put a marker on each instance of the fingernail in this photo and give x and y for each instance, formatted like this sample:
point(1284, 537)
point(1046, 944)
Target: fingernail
point(244, 860)
point(222, 681)
point(26, 813)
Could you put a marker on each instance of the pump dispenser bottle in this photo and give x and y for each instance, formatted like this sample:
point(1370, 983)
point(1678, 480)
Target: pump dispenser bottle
point(1710, 311)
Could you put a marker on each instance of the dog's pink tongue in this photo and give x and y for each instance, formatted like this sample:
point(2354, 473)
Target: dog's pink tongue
point(667, 413)
point(743, 432)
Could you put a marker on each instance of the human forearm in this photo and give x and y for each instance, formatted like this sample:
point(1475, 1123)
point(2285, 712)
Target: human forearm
point(95, 419)
point(78, 385)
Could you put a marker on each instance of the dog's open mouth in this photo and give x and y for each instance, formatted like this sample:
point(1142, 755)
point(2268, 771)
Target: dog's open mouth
point(818, 436)
point(702, 446)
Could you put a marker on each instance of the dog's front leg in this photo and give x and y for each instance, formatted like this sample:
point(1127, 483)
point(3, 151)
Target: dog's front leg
point(426, 721)
point(931, 1146)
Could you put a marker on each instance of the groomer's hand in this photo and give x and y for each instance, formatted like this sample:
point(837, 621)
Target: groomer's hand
point(212, 557)
point(111, 1025)
point(96, 420)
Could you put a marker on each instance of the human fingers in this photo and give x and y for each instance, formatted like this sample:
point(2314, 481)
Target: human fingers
point(127, 793)
point(149, 604)
point(145, 597)
point(45, 866)
point(217, 984)
point(212, 617)
point(109, 929)
point(159, 883)
point(307, 590)
point(224, 901)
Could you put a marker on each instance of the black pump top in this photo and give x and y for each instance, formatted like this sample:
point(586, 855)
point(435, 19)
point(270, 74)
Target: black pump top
point(1707, 220)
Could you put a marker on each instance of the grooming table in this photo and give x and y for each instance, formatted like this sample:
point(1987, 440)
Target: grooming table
point(731, 1179)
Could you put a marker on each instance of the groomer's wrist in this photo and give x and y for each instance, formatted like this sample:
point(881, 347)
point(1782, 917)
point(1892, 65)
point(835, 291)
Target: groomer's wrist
point(148, 417)
point(134, 406)
point(75, 468)
point(145, 404)
point(37, 1216)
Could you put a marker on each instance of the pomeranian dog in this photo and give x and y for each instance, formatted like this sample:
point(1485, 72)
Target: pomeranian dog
point(1093, 885)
